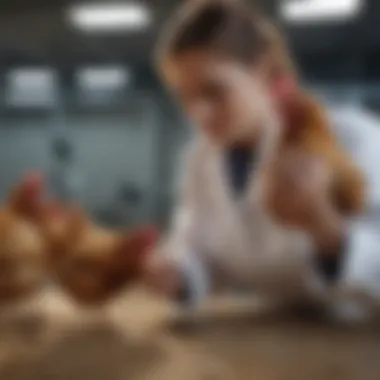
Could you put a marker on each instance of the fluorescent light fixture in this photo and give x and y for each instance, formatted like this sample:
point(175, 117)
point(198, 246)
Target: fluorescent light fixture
point(103, 78)
point(110, 17)
point(31, 87)
point(27, 78)
point(305, 11)
point(102, 85)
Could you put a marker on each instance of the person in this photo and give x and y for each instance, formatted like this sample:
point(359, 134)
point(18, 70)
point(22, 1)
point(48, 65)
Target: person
point(226, 65)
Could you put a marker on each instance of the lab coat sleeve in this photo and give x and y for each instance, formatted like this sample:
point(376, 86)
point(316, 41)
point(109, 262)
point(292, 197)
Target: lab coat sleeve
point(360, 132)
point(183, 246)
point(359, 286)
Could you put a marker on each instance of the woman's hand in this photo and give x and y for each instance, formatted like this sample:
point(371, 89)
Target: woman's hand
point(297, 195)
point(161, 275)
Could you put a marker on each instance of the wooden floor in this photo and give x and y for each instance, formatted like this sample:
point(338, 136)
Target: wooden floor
point(135, 338)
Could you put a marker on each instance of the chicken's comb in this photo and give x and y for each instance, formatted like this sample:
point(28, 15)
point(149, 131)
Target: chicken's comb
point(284, 88)
point(32, 184)
point(26, 198)
point(143, 238)
point(291, 106)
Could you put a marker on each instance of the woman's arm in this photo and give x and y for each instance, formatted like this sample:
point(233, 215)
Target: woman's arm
point(182, 252)
point(183, 249)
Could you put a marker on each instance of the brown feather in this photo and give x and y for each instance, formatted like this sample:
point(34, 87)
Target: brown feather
point(311, 133)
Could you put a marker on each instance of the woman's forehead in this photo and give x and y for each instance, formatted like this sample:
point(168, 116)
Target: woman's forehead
point(198, 66)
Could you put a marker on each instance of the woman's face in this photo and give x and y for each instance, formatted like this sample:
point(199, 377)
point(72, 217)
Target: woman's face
point(226, 100)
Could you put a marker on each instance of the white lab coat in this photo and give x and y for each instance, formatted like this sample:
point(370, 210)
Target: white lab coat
point(212, 230)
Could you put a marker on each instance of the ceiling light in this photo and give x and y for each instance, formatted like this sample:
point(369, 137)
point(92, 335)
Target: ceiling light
point(110, 17)
point(297, 11)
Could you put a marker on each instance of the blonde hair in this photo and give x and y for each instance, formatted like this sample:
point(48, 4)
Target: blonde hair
point(230, 27)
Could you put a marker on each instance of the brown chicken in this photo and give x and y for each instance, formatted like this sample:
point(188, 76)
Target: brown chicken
point(92, 263)
point(23, 251)
point(308, 131)
point(307, 128)
point(40, 240)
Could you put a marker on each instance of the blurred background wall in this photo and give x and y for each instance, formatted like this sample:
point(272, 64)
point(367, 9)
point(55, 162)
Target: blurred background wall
point(79, 98)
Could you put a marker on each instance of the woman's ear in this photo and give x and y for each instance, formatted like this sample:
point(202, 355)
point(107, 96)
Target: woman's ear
point(282, 83)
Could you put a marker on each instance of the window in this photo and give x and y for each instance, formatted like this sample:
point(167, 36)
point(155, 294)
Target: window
point(31, 88)
point(102, 85)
